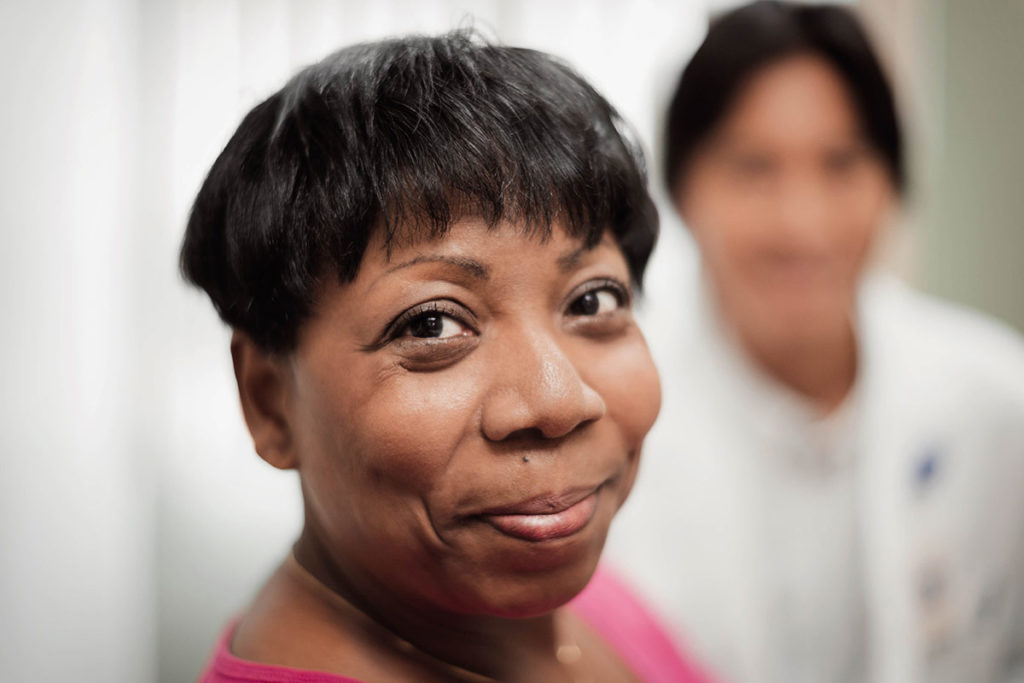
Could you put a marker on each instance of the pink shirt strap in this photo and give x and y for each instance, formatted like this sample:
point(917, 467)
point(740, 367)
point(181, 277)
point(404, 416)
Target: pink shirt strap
point(224, 667)
point(624, 623)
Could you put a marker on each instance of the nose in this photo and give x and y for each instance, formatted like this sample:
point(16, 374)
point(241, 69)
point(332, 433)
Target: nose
point(537, 391)
point(804, 210)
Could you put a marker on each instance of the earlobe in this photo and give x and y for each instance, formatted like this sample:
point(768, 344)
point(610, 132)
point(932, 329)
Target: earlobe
point(263, 389)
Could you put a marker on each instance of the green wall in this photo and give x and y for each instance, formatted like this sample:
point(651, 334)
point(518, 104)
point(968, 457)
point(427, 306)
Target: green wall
point(971, 241)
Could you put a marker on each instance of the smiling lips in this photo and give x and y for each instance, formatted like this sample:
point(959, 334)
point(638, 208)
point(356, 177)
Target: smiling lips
point(546, 518)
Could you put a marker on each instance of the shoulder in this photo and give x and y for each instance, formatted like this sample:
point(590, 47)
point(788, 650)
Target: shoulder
point(968, 349)
point(289, 635)
point(284, 626)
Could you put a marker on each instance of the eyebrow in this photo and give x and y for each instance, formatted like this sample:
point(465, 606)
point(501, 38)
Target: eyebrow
point(571, 259)
point(479, 271)
point(472, 267)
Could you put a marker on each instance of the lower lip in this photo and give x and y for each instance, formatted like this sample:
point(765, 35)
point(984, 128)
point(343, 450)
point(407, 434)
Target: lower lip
point(546, 527)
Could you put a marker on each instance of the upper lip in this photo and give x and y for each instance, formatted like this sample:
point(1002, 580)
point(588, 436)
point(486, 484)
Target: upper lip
point(544, 504)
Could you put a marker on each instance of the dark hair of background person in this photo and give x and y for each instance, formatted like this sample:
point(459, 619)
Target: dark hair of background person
point(742, 42)
point(405, 136)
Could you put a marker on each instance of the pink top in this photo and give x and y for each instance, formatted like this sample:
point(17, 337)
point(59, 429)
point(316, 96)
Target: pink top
point(605, 604)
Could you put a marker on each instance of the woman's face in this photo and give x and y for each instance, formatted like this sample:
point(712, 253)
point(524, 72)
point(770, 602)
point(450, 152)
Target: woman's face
point(784, 201)
point(468, 414)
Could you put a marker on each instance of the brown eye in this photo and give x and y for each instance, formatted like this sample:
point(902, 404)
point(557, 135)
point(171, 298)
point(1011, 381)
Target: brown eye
point(595, 302)
point(434, 325)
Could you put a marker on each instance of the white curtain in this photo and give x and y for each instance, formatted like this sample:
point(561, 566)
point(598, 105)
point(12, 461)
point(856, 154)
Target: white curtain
point(76, 492)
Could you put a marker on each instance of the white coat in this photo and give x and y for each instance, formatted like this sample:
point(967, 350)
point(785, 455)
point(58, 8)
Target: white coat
point(938, 439)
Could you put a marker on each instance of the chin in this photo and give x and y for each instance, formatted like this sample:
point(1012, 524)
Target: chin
point(802, 323)
point(539, 594)
point(522, 593)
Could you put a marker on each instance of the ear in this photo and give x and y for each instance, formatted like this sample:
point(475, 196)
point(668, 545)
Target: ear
point(264, 387)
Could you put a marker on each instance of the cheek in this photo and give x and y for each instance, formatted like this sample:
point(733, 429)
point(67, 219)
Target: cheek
point(728, 225)
point(864, 213)
point(854, 249)
point(377, 446)
point(367, 430)
point(627, 380)
point(412, 424)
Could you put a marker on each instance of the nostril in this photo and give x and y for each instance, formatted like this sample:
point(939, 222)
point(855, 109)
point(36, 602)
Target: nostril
point(525, 435)
point(558, 430)
point(543, 436)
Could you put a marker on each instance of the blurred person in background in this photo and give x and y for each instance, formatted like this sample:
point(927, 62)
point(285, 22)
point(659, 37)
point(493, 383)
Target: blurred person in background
point(465, 423)
point(835, 490)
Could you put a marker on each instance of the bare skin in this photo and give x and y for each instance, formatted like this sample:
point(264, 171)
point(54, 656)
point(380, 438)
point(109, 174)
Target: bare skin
point(465, 426)
point(785, 201)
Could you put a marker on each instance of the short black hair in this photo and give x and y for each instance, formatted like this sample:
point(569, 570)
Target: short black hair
point(743, 41)
point(406, 136)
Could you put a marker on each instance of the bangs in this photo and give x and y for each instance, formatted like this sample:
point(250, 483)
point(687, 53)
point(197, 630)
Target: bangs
point(465, 140)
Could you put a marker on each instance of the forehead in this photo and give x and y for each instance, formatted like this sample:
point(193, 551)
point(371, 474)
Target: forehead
point(479, 249)
point(796, 101)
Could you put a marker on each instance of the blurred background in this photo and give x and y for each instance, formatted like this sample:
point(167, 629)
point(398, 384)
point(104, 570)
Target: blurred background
point(134, 517)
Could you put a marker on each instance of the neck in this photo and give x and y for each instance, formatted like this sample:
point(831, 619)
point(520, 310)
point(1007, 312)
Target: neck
point(475, 647)
point(822, 369)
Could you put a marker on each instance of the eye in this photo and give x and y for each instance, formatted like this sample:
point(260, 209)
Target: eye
point(433, 325)
point(433, 320)
point(841, 162)
point(595, 302)
point(598, 298)
point(429, 336)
